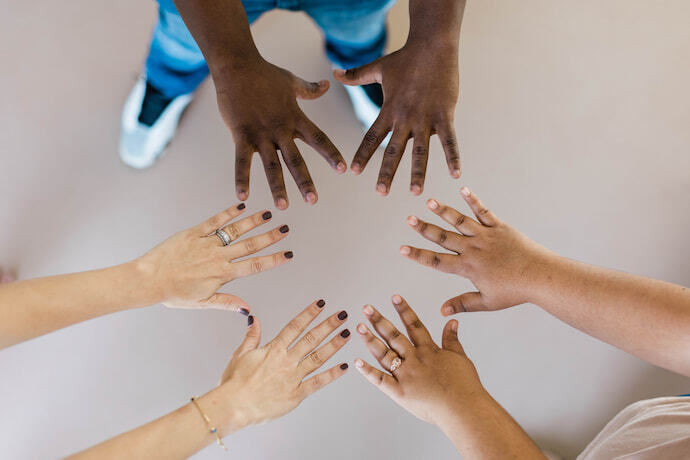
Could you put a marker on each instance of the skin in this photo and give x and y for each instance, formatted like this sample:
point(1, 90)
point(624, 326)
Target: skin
point(258, 385)
point(185, 271)
point(420, 91)
point(440, 385)
point(645, 317)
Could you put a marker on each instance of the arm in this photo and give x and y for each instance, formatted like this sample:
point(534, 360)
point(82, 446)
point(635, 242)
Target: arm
point(184, 271)
point(645, 317)
point(257, 100)
point(420, 87)
point(441, 386)
point(259, 384)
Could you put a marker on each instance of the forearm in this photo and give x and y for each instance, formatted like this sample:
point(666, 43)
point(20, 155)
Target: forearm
point(221, 29)
point(179, 434)
point(436, 23)
point(482, 429)
point(645, 317)
point(35, 307)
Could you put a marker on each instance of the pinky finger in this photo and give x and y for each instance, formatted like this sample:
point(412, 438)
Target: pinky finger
point(385, 382)
point(256, 265)
point(450, 146)
point(315, 383)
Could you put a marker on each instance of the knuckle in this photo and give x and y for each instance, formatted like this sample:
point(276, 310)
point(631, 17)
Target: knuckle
point(459, 220)
point(319, 137)
point(250, 245)
point(419, 150)
point(391, 150)
point(316, 358)
point(272, 166)
point(232, 232)
point(308, 184)
point(371, 138)
point(416, 323)
point(482, 211)
point(435, 261)
point(394, 334)
point(379, 379)
point(316, 381)
point(443, 236)
point(256, 267)
point(310, 338)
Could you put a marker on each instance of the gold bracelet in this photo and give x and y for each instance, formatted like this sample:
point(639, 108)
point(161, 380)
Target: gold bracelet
point(211, 428)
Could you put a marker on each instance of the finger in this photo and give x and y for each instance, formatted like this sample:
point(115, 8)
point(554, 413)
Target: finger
point(229, 302)
point(315, 383)
point(256, 265)
point(483, 214)
point(465, 225)
point(446, 263)
point(446, 133)
point(295, 163)
point(309, 89)
point(467, 302)
point(371, 141)
point(313, 338)
point(385, 382)
point(420, 158)
point(448, 240)
point(377, 347)
point(252, 337)
point(274, 175)
point(299, 323)
point(312, 135)
point(450, 339)
point(318, 357)
point(363, 75)
point(419, 334)
point(212, 224)
point(397, 341)
point(256, 243)
point(242, 226)
point(243, 164)
point(391, 159)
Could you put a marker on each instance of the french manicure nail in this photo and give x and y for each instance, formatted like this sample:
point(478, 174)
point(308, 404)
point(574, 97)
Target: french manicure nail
point(288, 255)
point(241, 206)
point(397, 300)
point(368, 310)
point(362, 329)
point(320, 303)
point(284, 229)
point(343, 366)
point(243, 311)
point(405, 250)
point(267, 215)
point(433, 204)
point(345, 333)
point(412, 220)
point(250, 320)
point(359, 363)
point(342, 315)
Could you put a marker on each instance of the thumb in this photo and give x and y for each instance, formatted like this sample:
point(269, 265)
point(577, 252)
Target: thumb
point(364, 75)
point(469, 301)
point(229, 302)
point(252, 338)
point(450, 340)
point(309, 89)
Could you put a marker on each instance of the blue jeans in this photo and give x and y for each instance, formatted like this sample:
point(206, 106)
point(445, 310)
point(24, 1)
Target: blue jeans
point(354, 32)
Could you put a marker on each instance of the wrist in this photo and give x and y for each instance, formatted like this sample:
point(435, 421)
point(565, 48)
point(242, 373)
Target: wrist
point(435, 24)
point(232, 68)
point(544, 269)
point(145, 277)
point(461, 411)
point(224, 410)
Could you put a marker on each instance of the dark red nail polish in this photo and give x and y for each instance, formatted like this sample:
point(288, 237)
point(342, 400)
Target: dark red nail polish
point(288, 255)
point(267, 215)
point(345, 334)
point(284, 229)
point(342, 315)
point(241, 206)
point(250, 320)
point(243, 311)
point(321, 303)
point(344, 366)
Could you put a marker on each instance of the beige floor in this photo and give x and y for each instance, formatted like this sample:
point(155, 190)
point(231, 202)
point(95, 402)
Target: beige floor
point(574, 127)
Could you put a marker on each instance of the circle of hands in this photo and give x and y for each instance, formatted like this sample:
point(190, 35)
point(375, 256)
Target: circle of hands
point(264, 382)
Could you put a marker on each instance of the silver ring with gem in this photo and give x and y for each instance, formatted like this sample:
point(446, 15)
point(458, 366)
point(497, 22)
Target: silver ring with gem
point(224, 237)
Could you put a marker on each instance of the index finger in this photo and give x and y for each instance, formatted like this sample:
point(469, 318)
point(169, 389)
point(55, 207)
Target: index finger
point(419, 334)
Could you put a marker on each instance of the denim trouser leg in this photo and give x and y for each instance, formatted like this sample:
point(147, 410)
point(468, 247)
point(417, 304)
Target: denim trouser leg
point(175, 64)
point(354, 30)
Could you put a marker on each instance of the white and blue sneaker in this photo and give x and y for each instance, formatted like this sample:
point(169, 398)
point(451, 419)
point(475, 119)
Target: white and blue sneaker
point(149, 121)
point(366, 102)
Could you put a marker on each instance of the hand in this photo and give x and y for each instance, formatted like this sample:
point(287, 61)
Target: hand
point(258, 104)
point(264, 383)
point(501, 262)
point(420, 89)
point(188, 268)
point(431, 381)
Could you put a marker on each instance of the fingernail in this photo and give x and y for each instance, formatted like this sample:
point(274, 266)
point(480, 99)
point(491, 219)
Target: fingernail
point(241, 206)
point(381, 188)
point(362, 329)
point(267, 215)
point(465, 191)
point(343, 367)
point(342, 315)
point(311, 197)
point(416, 189)
point(250, 320)
point(356, 168)
point(284, 229)
point(454, 326)
point(345, 334)
point(281, 203)
point(397, 300)
point(447, 310)
point(368, 310)
point(359, 363)
point(321, 303)
point(341, 167)
point(433, 204)
point(455, 173)
point(242, 195)
point(412, 220)
point(288, 255)
point(405, 250)
point(243, 311)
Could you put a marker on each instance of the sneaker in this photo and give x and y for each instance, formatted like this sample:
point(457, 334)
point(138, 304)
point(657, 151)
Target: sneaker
point(149, 121)
point(367, 101)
